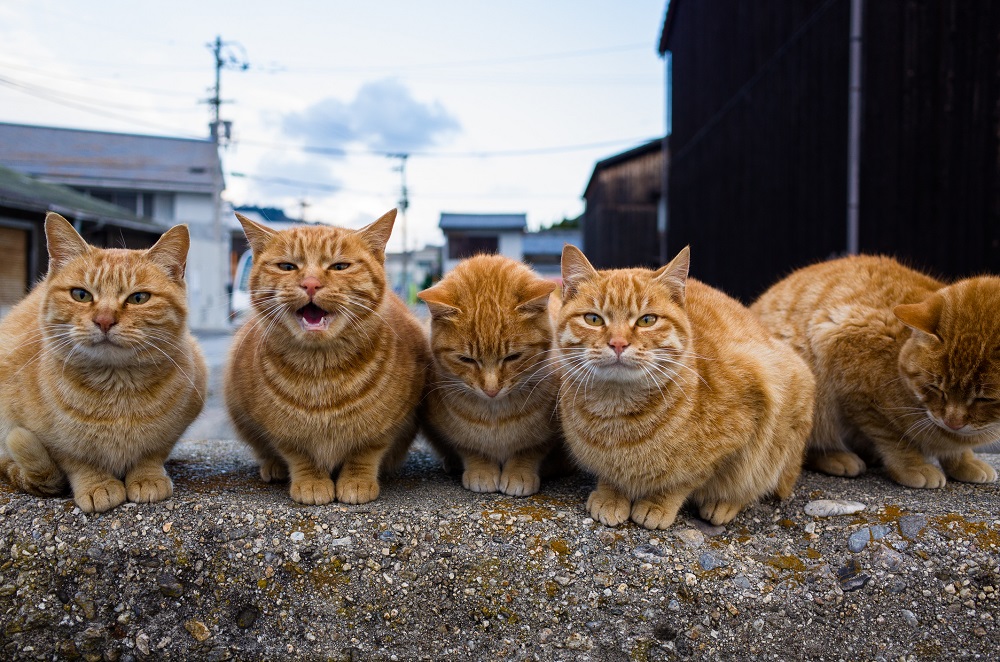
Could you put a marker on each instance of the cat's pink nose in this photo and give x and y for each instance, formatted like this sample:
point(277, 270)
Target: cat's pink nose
point(492, 392)
point(618, 344)
point(310, 285)
point(954, 422)
point(105, 321)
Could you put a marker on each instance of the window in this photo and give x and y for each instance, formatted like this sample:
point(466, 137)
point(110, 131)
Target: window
point(461, 246)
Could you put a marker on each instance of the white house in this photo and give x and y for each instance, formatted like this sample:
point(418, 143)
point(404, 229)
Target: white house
point(167, 180)
point(466, 235)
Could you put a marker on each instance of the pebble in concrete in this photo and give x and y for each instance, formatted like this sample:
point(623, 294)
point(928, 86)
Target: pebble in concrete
point(833, 507)
point(860, 538)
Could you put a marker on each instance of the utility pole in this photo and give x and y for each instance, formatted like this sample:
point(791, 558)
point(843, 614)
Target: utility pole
point(228, 55)
point(404, 203)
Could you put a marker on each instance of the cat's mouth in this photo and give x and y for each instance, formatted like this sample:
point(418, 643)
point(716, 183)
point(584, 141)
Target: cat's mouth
point(312, 318)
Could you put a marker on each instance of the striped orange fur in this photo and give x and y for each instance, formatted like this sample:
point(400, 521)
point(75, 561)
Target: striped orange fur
point(99, 376)
point(490, 405)
point(673, 392)
point(327, 374)
point(907, 368)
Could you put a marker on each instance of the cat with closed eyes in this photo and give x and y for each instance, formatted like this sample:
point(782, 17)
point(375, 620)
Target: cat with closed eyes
point(907, 367)
point(673, 392)
point(491, 400)
point(326, 375)
point(99, 375)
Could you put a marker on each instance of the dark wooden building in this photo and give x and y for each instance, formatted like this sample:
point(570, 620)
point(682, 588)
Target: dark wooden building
point(759, 169)
point(625, 217)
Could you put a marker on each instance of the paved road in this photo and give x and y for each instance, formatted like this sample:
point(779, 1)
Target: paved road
point(213, 423)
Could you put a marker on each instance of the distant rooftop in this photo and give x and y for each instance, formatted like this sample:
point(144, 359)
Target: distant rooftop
point(100, 159)
point(20, 191)
point(483, 221)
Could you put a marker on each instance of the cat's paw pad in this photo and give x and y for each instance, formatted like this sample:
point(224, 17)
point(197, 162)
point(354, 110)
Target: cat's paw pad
point(101, 496)
point(149, 489)
point(482, 480)
point(925, 476)
point(273, 469)
point(357, 490)
point(519, 482)
point(608, 508)
point(840, 464)
point(651, 515)
point(972, 470)
point(312, 491)
point(719, 512)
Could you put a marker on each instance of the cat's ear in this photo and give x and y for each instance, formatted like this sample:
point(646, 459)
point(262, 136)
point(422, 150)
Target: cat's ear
point(64, 242)
point(171, 250)
point(575, 269)
point(377, 234)
point(674, 275)
point(924, 316)
point(535, 298)
point(258, 235)
point(440, 302)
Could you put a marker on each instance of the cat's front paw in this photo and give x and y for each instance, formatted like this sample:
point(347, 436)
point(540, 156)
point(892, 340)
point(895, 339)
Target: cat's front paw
point(312, 491)
point(273, 469)
point(840, 463)
point(149, 489)
point(970, 469)
point(925, 476)
point(608, 508)
point(719, 512)
point(102, 496)
point(519, 482)
point(357, 490)
point(652, 515)
point(481, 479)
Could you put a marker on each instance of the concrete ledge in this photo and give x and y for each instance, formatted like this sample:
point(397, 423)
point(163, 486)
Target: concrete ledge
point(230, 568)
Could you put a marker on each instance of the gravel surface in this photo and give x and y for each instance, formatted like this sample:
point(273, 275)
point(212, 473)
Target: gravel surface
point(231, 568)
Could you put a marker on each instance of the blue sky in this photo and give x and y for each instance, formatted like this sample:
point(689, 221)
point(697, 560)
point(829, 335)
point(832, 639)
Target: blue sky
point(504, 107)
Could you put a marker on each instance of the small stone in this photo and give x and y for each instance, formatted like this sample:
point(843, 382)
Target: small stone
point(198, 630)
point(8, 589)
point(833, 507)
point(578, 642)
point(387, 535)
point(649, 553)
point(340, 542)
point(142, 643)
point(692, 538)
point(911, 526)
point(709, 561)
point(741, 581)
point(855, 582)
point(167, 527)
point(169, 586)
point(909, 617)
point(297, 536)
point(860, 538)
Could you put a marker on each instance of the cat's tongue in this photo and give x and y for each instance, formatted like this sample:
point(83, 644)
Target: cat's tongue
point(313, 317)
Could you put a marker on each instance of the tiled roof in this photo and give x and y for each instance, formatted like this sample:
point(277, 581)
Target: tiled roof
point(483, 221)
point(110, 160)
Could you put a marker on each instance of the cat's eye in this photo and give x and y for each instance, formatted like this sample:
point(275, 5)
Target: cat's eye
point(81, 295)
point(138, 297)
point(646, 320)
point(287, 266)
point(984, 401)
point(340, 266)
point(467, 359)
point(512, 357)
point(593, 319)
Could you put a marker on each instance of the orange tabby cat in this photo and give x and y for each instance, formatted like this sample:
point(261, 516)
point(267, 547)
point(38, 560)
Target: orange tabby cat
point(672, 391)
point(329, 370)
point(904, 366)
point(99, 376)
point(492, 396)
